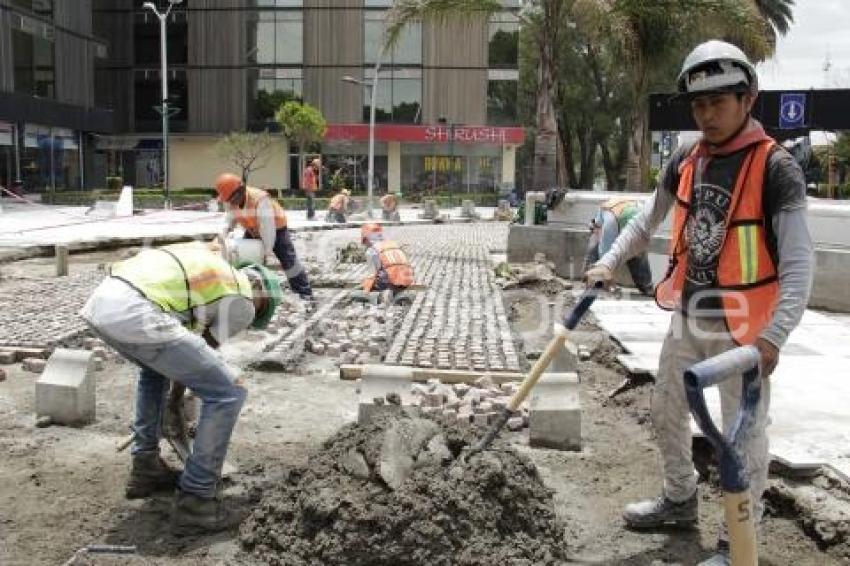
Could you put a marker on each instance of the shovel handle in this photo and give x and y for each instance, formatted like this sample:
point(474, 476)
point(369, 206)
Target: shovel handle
point(743, 360)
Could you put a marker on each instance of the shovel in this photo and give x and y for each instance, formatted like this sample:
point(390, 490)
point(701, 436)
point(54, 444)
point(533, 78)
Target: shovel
point(555, 345)
point(734, 481)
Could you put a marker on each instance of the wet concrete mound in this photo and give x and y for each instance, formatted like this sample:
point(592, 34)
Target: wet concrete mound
point(394, 492)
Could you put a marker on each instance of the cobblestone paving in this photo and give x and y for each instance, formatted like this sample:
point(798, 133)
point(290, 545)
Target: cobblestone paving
point(41, 313)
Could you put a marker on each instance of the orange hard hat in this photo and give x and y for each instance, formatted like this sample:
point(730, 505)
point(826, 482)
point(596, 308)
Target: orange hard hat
point(226, 185)
point(368, 229)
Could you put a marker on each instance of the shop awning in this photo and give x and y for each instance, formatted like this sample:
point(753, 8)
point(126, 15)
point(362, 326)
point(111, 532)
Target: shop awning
point(488, 135)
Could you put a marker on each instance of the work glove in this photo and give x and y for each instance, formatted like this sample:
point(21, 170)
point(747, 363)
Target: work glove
point(599, 274)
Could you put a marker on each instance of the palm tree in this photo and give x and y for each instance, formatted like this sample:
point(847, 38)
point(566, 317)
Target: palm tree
point(778, 15)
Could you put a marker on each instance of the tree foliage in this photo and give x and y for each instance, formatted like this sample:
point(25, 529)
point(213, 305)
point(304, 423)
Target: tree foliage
point(303, 124)
point(247, 151)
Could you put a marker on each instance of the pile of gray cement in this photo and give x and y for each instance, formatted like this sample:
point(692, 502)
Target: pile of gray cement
point(394, 492)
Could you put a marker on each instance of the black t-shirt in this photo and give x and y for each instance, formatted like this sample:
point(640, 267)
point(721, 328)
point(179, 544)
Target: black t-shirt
point(784, 189)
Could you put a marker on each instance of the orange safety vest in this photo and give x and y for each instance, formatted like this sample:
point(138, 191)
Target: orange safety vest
point(394, 261)
point(746, 273)
point(246, 216)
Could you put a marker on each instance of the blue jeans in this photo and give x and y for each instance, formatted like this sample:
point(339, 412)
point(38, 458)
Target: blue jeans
point(183, 357)
point(284, 250)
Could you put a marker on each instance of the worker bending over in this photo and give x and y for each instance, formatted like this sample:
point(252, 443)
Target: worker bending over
point(389, 208)
point(614, 215)
point(165, 310)
point(393, 271)
point(338, 206)
point(264, 219)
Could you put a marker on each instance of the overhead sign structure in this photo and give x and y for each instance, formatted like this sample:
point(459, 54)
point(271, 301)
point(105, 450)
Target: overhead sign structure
point(792, 111)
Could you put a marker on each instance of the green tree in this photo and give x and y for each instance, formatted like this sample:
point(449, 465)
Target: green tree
point(302, 123)
point(248, 151)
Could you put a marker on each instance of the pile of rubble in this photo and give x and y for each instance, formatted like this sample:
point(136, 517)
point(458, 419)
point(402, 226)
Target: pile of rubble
point(479, 403)
point(394, 491)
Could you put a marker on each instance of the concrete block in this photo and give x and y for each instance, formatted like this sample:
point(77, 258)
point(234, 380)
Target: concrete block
point(34, 365)
point(2, 374)
point(515, 423)
point(555, 413)
point(65, 392)
point(380, 381)
point(564, 361)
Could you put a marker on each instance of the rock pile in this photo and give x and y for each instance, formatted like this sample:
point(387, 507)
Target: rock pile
point(393, 492)
point(479, 403)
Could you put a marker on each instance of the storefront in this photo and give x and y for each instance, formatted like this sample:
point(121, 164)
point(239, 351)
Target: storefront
point(425, 159)
point(8, 152)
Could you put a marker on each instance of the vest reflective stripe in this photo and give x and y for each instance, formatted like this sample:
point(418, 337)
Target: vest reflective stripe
point(394, 261)
point(246, 216)
point(182, 276)
point(746, 274)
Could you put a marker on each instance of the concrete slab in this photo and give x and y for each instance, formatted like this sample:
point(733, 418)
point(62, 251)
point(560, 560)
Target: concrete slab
point(810, 392)
point(554, 418)
point(65, 391)
point(378, 382)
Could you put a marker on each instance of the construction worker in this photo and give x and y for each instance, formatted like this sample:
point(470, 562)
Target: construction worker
point(393, 271)
point(389, 208)
point(338, 207)
point(310, 185)
point(263, 218)
point(614, 215)
point(165, 310)
point(740, 269)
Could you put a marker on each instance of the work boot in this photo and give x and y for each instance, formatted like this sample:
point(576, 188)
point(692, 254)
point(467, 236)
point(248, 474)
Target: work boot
point(721, 556)
point(662, 512)
point(196, 515)
point(148, 475)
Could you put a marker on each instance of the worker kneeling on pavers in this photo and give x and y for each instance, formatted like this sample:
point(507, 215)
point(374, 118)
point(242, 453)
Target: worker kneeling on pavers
point(740, 270)
point(165, 310)
point(338, 206)
point(393, 272)
point(389, 208)
point(613, 216)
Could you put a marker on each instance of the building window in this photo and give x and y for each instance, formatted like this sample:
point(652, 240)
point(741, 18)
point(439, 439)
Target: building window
point(41, 7)
point(279, 38)
point(34, 64)
point(502, 92)
point(504, 41)
point(399, 96)
point(148, 99)
point(273, 88)
point(408, 49)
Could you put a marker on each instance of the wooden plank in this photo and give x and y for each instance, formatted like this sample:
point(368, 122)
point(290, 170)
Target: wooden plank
point(350, 372)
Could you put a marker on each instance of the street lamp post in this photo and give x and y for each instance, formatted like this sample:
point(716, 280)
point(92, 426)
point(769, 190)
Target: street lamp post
point(370, 175)
point(163, 18)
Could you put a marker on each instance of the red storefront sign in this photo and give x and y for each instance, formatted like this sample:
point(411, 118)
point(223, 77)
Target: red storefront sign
point(426, 134)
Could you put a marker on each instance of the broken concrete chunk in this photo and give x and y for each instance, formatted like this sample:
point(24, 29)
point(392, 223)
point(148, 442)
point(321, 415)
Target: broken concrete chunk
point(461, 389)
point(355, 464)
point(515, 423)
point(484, 382)
point(393, 398)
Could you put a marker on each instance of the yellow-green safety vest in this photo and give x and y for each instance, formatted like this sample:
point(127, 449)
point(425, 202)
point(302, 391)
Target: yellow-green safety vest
point(181, 277)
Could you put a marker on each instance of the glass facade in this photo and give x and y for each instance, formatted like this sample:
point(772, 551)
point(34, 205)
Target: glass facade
point(50, 159)
point(8, 172)
point(273, 88)
point(148, 99)
point(34, 59)
point(503, 77)
point(503, 51)
point(440, 167)
point(279, 37)
point(146, 36)
point(502, 93)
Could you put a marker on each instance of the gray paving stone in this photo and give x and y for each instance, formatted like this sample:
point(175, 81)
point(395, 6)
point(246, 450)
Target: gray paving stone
point(555, 412)
point(65, 391)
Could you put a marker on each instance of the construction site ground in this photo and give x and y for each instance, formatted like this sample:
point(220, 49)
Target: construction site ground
point(62, 488)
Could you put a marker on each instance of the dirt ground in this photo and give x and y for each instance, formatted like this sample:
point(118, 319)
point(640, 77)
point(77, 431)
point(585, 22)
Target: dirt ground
point(62, 488)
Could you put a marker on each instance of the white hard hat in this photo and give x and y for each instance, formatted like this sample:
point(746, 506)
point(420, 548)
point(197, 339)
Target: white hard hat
point(716, 66)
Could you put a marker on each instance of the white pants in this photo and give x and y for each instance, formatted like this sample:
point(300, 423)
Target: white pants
point(689, 341)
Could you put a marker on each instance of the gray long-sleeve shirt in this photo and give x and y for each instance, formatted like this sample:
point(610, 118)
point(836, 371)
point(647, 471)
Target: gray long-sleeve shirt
point(785, 206)
point(265, 220)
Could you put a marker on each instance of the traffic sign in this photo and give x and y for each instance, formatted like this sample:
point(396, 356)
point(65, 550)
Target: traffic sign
point(792, 111)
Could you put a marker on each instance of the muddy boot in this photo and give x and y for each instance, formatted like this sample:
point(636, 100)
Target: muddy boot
point(148, 475)
point(661, 512)
point(721, 556)
point(194, 515)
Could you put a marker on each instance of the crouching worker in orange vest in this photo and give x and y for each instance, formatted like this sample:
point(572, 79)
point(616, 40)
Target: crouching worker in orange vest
point(264, 219)
point(740, 270)
point(392, 268)
point(338, 207)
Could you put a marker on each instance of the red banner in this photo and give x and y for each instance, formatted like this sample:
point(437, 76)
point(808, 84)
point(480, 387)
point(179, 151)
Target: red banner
point(490, 135)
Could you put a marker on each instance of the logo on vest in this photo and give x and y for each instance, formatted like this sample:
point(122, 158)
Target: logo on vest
point(705, 231)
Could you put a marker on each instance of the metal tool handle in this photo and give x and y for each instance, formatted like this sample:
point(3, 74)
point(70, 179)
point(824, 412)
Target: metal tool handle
point(743, 360)
point(582, 305)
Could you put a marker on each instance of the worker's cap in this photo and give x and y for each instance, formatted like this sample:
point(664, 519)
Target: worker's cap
point(226, 185)
point(271, 288)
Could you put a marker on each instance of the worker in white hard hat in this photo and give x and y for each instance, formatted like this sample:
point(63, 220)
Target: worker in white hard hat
point(740, 269)
point(165, 310)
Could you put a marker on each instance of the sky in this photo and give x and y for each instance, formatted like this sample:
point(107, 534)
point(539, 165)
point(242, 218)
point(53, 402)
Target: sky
point(821, 29)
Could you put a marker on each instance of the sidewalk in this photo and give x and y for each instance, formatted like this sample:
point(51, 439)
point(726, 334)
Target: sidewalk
point(27, 226)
